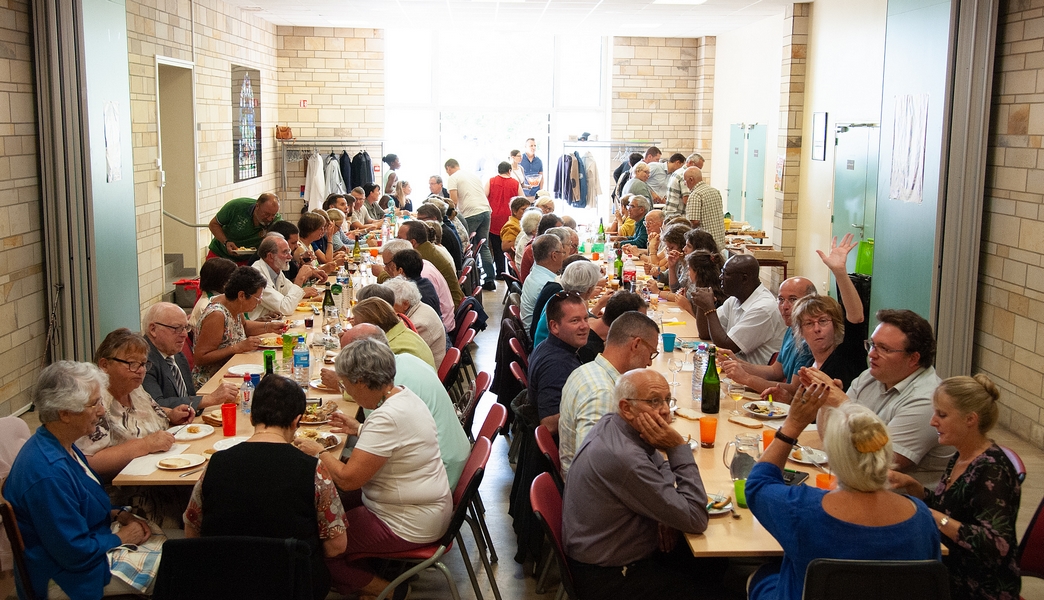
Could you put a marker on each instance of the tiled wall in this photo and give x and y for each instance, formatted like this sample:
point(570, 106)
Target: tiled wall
point(1009, 337)
point(224, 35)
point(23, 324)
point(662, 91)
point(791, 107)
point(339, 73)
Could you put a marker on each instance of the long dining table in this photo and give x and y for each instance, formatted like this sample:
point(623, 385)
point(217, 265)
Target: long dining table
point(205, 445)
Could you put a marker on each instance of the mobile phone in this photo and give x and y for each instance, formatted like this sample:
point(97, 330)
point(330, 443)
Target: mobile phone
point(794, 477)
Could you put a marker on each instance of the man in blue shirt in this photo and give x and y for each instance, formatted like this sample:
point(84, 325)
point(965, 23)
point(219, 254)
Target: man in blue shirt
point(555, 359)
point(533, 168)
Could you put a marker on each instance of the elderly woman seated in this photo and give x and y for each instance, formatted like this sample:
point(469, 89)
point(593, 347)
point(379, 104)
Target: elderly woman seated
point(63, 512)
point(236, 495)
point(131, 424)
point(429, 325)
point(405, 499)
point(860, 520)
point(376, 311)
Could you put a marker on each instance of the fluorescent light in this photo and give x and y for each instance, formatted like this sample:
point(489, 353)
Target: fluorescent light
point(685, 2)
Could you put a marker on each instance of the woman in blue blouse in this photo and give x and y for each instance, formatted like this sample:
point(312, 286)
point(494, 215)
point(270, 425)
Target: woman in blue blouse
point(977, 501)
point(63, 512)
point(860, 520)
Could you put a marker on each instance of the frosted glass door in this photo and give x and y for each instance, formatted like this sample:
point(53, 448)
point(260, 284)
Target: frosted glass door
point(754, 190)
point(734, 193)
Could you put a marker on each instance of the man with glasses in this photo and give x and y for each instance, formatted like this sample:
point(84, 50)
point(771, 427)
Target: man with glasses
point(555, 359)
point(630, 547)
point(241, 223)
point(548, 255)
point(588, 392)
point(637, 209)
point(168, 378)
point(898, 386)
point(280, 296)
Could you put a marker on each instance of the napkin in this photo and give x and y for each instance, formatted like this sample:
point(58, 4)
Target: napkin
point(146, 465)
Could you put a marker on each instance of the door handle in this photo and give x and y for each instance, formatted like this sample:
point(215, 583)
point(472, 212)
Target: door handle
point(857, 226)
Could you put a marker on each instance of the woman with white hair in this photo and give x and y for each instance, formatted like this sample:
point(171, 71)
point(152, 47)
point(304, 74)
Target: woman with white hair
point(529, 222)
point(405, 500)
point(859, 520)
point(63, 512)
point(429, 325)
point(581, 276)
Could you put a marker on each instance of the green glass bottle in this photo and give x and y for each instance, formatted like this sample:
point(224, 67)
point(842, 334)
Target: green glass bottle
point(328, 301)
point(711, 391)
point(601, 232)
point(618, 266)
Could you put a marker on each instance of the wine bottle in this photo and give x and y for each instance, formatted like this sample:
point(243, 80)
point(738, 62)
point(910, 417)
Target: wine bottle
point(711, 391)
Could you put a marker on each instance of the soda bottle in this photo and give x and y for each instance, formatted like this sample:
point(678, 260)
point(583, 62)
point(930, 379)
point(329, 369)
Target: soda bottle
point(246, 394)
point(711, 391)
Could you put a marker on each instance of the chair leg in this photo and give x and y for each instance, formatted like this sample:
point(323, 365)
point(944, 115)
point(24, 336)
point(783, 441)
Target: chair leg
point(540, 589)
point(480, 543)
point(561, 592)
point(467, 564)
point(417, 568)
point(449, 580)
point(478, 512)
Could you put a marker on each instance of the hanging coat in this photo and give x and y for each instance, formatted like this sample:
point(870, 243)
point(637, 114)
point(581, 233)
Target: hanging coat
point(334, 182)
point(563, 189)
point(346, 170)
point(581, 199)
point(594, 186)
point(315, 182)
point(362, 169)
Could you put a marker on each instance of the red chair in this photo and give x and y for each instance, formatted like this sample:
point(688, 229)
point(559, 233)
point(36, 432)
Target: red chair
point(1016, 461)
point(465, 324)
point(14, 536)
point(515, 312)
point(407, 322)
point(186, 349)
point(519, 374)
point(431, 554)
point(547, 506)
point(496, 418)
point(467, 414)
point(449, 365)
point(520, 352)
point(1031, 548)
point(549, 449)
point(464, 338)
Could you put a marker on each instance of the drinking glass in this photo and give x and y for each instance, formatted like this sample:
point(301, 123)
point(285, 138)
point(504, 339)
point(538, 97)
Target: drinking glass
point(736, 391)
point(675, 365)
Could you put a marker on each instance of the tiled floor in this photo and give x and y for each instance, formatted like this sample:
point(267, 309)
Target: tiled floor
point(496, 485)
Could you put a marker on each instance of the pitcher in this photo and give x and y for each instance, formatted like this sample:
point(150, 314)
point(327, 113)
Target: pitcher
point(748, 451)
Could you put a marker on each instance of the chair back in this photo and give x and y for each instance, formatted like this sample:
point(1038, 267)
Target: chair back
point(14, 536)
point(520, 352)
point(546, 501)
point(496, 418)
point(1016, 461)
point(407, 322)
point(465, 271)
point(519, 374)
point(186, 349)
point(476, 462)
point(467, 487)
point(1031, 548)
point(234, 567)
point(464, 337)
point(548, 447)
point(478, 248)
point(514, 310)
point(466, 322)
point(827, 578)
point(451, 360)
point(478, 387)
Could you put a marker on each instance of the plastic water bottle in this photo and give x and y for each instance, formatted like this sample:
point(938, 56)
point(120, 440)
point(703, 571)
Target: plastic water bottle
point(301, 367)
point(699, 367)
point(246, 394)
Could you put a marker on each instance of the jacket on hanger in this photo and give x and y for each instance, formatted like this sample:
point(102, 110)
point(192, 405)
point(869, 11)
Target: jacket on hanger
point(346, 170)
point(315, 182)
point(362, 169)
point(334, 182)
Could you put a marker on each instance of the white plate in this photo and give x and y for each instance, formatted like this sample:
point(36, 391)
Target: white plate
point(227, 443)
point(313, 423)
point(717, 511)
point(779, 409)
point(181, 461)
point(817, 455)
point(242, 370)
point(199, 430)
point(317, 384)
point(322, 434)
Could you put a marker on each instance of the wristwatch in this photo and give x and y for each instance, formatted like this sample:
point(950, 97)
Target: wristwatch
point(943, 522)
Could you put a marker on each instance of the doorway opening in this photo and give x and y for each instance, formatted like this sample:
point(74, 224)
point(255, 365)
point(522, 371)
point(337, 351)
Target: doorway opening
point(176, 164)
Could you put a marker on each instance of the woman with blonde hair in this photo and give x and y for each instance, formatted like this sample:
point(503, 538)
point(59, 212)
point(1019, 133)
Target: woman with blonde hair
point(377, 311)
point(859, 520)
point(402, 195)
point(977, 501)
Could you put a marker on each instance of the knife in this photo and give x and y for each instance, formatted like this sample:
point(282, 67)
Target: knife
point(187, 473)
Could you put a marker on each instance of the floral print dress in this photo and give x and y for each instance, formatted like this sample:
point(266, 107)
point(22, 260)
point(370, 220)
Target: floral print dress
point(985, 499)
point(233, 334)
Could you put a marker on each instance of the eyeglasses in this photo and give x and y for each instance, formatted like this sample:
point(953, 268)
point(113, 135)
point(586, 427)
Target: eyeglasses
point(652, 349)
point(870, 345)
point(134, 365)
point(257, 298)
point(566, 294)
point(654, 403)
point(823, 322)
point(176, 328)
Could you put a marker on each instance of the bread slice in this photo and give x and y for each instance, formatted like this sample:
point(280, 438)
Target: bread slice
point(746, 422)
point(688, 413)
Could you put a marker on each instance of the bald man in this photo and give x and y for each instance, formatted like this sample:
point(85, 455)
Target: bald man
point(748, 323)
point(703, 208)
point(169, 379)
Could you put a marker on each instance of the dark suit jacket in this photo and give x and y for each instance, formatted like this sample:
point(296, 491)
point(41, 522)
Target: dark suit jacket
point(159, 381)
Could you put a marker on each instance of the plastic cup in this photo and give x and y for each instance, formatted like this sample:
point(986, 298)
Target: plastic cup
point(594, 256)
point(668, 341)
point(373, 253)
point(708, 429)
point(767, 435)
point(288, 346)
point(309, 321)
point(228, 419)
point(826, 481)
point(740, 492)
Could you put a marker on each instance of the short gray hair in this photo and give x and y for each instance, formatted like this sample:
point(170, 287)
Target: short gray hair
point(564, 234)
point(404, 290)
point(368, 362)
point(152, 313)
point(642, 202)
point(66, 385)
point(581, 276)
point(694, 158)
point(544, 246)
point(268, 245)
point(530, 221)
point(655, 214)
point(846, 426)
point(376, 290)
point(395, 245)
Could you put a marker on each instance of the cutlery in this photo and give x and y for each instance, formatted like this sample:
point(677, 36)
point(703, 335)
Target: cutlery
point(735, 515)
point(187, 473)
point(179, 429)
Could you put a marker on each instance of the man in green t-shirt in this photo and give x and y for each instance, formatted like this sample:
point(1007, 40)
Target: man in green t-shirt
point(241, 223)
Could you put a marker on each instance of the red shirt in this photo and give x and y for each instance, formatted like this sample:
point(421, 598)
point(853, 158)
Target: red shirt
point(501, 191)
